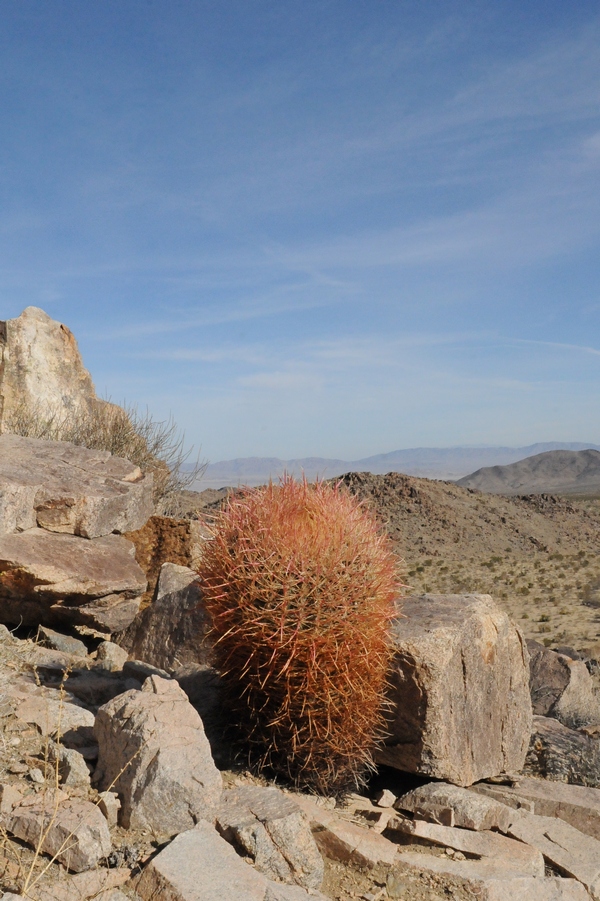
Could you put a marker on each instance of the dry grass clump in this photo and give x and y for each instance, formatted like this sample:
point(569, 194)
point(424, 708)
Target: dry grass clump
point(157, 447)
point(301, 586)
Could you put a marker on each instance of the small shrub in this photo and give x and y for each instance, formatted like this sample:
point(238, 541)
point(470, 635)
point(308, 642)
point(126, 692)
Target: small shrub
point(300, 585)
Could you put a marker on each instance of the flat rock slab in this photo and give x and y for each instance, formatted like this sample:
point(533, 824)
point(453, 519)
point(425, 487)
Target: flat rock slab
point(489, 882)
point(461, 708)
point(341, 840)
point(75, 831)
point(171, 632)
point(575, 804)
point(154, 753)
point(513, 856)
point(562, 754)
point(48, 578)
point(64, 488)
point(273, 830)
point(574, 853)
point(457, 806)
point(199, 865)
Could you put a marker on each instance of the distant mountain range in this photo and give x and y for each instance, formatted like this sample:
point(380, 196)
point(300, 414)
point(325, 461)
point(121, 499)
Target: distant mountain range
point(554, 472)
point(448, 463)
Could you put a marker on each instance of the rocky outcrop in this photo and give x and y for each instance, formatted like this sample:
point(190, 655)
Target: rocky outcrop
point(64, 488)
point(153, 752)
point(172, 631)
point(51, 579)
point(461, 709)
point(40, 366)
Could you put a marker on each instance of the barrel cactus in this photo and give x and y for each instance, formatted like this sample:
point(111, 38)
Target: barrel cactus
point(301, 586)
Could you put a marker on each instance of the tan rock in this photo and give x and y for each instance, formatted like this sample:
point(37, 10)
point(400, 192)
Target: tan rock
point(62, 487)
point(110, 656)
point(488, 881)
point(171, 632)
point(110, 806)
point(460, 690)
point(562, 688)
point(91, 884)
point(199, 865)
point(50, 578)
point(513, 856)
point(574, 853)
point(74, 831)
point(154, 753)
point(339, 839)
point(577, 805)
point(273, 830)
point(41, 365)
point(469, 810)
point(54, 715)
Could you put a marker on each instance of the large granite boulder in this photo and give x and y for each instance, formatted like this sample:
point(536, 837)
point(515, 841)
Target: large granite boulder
point(171, 632)
point(64, 488)
point(154, 753)
point(41, 367)
point(461, 709)
point(52, 579)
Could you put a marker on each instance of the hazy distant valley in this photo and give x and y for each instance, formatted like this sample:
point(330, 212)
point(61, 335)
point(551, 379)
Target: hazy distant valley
point(426, 462)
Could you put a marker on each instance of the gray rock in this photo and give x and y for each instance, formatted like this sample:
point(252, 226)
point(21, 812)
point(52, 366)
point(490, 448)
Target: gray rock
point(138, 669)
point(95, 687)
point(71, 765)
point(514, 856)
point(199, 865)
point(48, 579)
point(488, 881)
point(73, 830)
point(339, 839)
point(171, 631)
point(562, 688)
point(572, 852)
point(62, 487)
point(153, 752)
point(461, 709)
point(469, 810)
point(110, 806)
point(577, 805)
point(110, 656)
point(562, 754)
point(271, 828)
point(59, 642)
point(53, 714)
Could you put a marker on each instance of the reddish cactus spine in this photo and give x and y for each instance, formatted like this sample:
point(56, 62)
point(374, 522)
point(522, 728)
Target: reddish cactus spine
point(301, 587)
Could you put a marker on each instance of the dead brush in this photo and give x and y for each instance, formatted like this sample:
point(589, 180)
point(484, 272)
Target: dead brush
point(301, 585)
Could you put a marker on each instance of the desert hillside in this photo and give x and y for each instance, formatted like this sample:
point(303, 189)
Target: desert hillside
point(537, 555)
point(573, 472)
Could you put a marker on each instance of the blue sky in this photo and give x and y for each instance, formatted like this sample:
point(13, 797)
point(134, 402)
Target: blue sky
point(330, 228)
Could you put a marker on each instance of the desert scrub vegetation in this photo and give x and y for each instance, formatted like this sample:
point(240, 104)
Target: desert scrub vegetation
point(301, 587)
point(157, 447)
